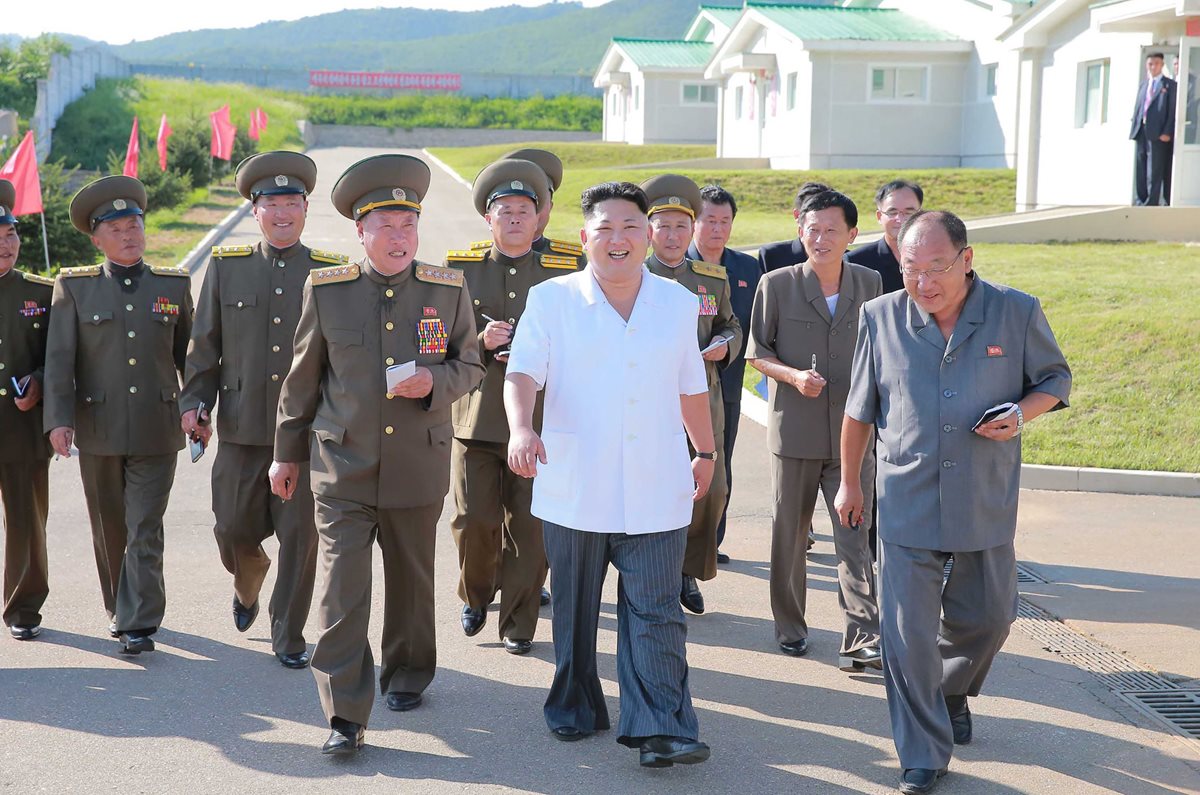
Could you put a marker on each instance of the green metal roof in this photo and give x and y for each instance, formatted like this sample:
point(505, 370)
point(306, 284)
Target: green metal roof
point(726, 15)
point(826, 23)
point(666, 53)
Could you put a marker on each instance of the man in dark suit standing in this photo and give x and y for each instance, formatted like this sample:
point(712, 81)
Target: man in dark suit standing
point(773, 256)
point(714, 225)
point(895, 203)
point(1153, 129)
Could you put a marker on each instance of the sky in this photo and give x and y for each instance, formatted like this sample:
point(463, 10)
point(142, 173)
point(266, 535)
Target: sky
point(121, 24)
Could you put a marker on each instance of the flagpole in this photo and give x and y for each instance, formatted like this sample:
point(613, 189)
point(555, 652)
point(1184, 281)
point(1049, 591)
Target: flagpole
point(45, 241)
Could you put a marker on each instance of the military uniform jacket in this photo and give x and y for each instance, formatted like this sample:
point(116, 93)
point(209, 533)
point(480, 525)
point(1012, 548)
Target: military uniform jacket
point(241, 347)
point(498, 285)
point(118, 338)
point(355, 322)
point(24, 323)
point(561, 248)
point(791, 322)
point(710, 285)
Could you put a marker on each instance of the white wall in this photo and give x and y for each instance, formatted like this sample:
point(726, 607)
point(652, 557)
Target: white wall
point(740, 136)
point(668, 119)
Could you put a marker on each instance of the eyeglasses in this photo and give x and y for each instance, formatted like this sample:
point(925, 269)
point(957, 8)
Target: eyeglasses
point(914, 274)
point(893, 213)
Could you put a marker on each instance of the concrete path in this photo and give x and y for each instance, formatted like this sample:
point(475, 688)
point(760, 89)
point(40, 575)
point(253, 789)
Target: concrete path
point(212, 711)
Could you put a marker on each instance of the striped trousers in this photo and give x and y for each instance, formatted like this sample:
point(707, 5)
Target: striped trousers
point(652, 666)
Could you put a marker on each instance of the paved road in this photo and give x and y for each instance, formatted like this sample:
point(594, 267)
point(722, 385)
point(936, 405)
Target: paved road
point(212, 710)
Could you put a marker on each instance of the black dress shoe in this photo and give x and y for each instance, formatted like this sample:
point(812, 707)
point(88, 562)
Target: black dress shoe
point(25, 631)
point(860, 659)
point(544, 599)
point(667, 751)
point(403, 702)
point(513, 646)
point(136, 642)
point(919, 779)
point(960, 719)
point(568, 734)
point(346, 738)
point(690, 596)
point(722, 557)
point(243, 617)
point(294, 661)
point(795, 648)
point(472, 620)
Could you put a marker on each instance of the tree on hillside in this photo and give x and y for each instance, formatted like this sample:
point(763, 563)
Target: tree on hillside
point(21, 67)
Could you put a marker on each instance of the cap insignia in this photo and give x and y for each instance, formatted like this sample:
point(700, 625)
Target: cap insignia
point(281, 180)
point(119, 204)
point(398, 194)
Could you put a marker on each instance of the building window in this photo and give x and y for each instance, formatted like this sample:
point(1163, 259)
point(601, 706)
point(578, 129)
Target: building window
point(899, 83)
point(738, 96)
point(637, 97)
point(792, 79)
point(698, 94)
point(1093, 93)
point(989, 79)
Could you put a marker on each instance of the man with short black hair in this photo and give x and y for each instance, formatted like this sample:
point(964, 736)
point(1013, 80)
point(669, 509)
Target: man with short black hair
point(773, 256)
point(1153, 129)
point(895, 203)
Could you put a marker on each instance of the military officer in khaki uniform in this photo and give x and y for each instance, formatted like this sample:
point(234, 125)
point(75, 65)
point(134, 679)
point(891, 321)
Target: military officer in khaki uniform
point(674, 201)
point(240, 352)
point(380, 456)
point(24, 454)
point(499, 540)
point(118, 337)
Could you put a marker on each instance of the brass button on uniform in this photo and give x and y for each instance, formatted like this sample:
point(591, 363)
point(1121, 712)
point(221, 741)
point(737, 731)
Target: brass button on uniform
point(390, 396)
point(132, 334)
point(512, 271)
point(128, 282)
point(389, 360)
point(132, 362)
point(476, 302)
point(389, 325)
point(274, 376)
point(128, 307)
point(278, 291)
point(133, 390)
point(512, 295)
point(389, 292)
point(389, 430)
point(3, 391)
point(512, 320)
point(274, 349)
point(276, 320)
point(95, 318)
point(279, 264)
point(241, 304)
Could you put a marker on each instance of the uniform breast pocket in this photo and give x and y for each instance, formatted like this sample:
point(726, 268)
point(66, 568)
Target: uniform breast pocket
point(997, 379)
point(432, 339)
point(898, 429)
point(241, 301)
point(344, 337)
point(96, 319)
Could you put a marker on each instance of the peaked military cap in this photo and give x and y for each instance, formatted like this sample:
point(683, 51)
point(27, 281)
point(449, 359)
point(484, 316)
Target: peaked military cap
point(275, 173)
point(509, 178)
point(8, 197)
point(106, 199)
point(547, 160)
point(381, 182)
point(672, 192)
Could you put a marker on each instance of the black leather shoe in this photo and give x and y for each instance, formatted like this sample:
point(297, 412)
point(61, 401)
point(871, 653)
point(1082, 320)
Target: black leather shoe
point(796, 648)
point(135, 642)
point(513, 646)
point(722, 557)
point(113, 632)
point(960, 719)
point(667, 751)
point(294, 661)
point(472, 620)
point(544, 599)
point(403, 702)
point(919, 779)
point(25, 631)
point(690, 596)
point(243, 617)
point(346, 738)
point(568, 734)
point(860, 659)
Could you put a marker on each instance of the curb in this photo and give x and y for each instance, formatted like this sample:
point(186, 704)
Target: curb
point(453, 174)
point(1051, 478)
point(192, 260)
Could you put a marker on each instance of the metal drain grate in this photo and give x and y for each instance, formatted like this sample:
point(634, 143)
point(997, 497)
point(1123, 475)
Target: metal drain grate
point(1025, 575)
point(1177, 710)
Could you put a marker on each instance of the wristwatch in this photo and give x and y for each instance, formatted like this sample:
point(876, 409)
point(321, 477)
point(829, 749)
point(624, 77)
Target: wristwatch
point(707, 456)
point(1020, 421)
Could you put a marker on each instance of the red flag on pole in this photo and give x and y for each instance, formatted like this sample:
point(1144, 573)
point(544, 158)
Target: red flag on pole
point(164, 132)
point(21, 171)
point(131, 152)
point(262, 119)
point(223, 131)
point(254, 126)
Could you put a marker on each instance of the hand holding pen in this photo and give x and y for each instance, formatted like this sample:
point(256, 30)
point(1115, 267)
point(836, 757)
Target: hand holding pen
point(809, 382)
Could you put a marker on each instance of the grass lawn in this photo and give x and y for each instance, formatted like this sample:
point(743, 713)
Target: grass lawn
point(180, 99)
point(172, 233)
point(764, 197)
point(1126, 316)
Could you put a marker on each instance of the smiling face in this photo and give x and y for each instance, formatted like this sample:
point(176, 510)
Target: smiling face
point(123, 240)
point(671, 232)
point(10, 247)
point(389, 237)
point(826, 235)
point(616, 237)
point(514, 224)
point(281, 218)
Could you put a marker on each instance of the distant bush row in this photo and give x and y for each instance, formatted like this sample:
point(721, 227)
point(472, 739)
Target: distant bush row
point(564, 112)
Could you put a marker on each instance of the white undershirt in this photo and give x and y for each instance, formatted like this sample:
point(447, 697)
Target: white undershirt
point(831, 302)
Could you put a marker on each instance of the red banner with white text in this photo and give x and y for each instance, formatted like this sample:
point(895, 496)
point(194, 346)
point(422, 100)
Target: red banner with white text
point(401, 81)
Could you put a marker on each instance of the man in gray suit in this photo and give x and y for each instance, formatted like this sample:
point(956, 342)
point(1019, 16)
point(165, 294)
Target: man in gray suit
point(929, 362)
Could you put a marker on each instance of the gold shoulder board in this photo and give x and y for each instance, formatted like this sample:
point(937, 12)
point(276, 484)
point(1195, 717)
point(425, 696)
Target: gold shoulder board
point(567, 263)
point(451, 277)
point(83, 270)
point(338, 273)
point(481, 244)
point(566, 247)
point(317, 255)
point(165, 270)
point(708, 269)
point(465, 256)
point(33, 277)
point(232, 251)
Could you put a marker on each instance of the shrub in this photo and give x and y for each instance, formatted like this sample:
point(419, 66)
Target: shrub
point(68, 246)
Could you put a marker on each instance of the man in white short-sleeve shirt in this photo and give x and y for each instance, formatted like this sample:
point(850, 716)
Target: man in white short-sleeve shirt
point(614, 348)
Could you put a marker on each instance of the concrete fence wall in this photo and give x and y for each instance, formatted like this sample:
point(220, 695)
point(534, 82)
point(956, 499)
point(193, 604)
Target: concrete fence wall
point(420, 137)
point(70, 76)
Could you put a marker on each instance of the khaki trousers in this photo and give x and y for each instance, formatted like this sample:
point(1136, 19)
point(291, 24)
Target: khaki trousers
point(126, 499)
point(700, 557)
point(25, 491)
point(342, 662)
point(794, 486)
point(247, 513)
point(499, 541)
